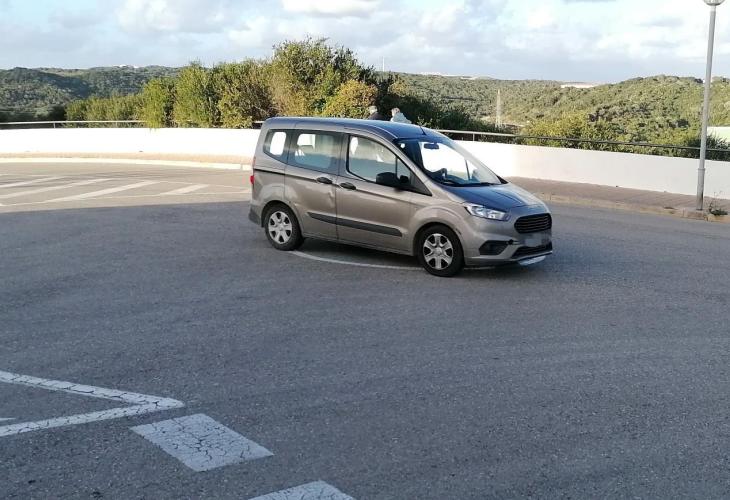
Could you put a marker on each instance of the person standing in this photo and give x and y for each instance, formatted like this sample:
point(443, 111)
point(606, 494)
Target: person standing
point(399, 117)
point(375, 114)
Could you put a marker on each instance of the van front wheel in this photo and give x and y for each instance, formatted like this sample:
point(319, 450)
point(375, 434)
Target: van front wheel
point(439, 252)
point(282, 228)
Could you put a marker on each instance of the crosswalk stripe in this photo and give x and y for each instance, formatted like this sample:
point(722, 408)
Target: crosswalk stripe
point(52, 188)
point(201, 443)
point(318, 490)
point(186, 189)
point(26, 183)
point(103, 192)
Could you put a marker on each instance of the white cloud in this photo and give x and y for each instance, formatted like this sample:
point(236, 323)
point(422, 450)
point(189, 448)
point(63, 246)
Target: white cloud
point(191, 16)
point(555, 39)
point(358, 8)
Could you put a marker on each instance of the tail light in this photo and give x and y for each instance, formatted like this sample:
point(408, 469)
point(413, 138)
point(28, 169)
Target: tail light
point(253, 165)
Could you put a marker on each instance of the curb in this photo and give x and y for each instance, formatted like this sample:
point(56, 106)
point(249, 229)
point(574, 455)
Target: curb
point(127, 161)
point(683, 213)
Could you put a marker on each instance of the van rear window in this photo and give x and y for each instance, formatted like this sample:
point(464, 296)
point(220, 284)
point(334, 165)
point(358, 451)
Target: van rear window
point(275, 144)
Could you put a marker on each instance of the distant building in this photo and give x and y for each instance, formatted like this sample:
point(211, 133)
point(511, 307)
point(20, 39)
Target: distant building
point(722, 133)
point(579, 85)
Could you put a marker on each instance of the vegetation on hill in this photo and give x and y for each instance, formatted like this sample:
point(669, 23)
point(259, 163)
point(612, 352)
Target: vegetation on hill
point(26, 94)
point(313, 78)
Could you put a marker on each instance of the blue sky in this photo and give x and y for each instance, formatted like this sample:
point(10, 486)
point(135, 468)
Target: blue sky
point(585, 40)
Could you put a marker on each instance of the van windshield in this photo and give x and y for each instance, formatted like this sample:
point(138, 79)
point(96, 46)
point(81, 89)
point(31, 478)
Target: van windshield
point(446, 162)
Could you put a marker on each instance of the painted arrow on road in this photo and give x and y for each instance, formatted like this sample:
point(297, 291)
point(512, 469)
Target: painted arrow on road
point(139, 404)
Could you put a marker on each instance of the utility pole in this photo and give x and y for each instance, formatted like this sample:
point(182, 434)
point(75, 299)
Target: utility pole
point(498, 120)
point(706, 106)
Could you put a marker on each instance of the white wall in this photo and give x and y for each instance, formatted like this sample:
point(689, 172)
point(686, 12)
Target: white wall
point(719, 132)
point(224, 142)
point(654, 173)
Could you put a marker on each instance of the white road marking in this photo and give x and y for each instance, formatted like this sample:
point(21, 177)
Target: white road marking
point(95, 194)
point(318, 490)
point(357, 264)
point(52, 188)
point(26, 183)
point(200, 442)
point(184, 190)
point(142, 403)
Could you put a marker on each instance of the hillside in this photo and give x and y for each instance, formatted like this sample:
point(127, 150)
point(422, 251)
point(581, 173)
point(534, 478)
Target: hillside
point(643, 107)
point(655, 109)
point(37, 91)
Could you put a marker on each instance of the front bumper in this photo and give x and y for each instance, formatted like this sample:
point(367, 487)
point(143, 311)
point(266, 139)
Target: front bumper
point(493, 243)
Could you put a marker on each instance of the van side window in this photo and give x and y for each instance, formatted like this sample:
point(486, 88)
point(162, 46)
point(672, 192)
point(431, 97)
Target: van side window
point(366, 159)
point(318, 151)
point(275, 144)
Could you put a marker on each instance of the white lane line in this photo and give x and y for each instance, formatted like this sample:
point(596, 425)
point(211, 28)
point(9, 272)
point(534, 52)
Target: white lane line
point(95, 194)
point(184, 190)
point(357, 264)
point(26, 183)
point(143, 403)
point(318, 490)
point(52, 188)
point(201, 443)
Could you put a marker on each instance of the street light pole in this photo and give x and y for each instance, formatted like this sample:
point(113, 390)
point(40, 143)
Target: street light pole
point(706, 106)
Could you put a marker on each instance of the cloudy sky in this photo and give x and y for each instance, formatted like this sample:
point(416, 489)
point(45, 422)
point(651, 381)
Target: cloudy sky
point(584, 40)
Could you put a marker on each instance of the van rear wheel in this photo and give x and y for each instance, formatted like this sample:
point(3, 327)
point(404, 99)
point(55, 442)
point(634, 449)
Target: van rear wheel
point(440, 252)
point(282, 228)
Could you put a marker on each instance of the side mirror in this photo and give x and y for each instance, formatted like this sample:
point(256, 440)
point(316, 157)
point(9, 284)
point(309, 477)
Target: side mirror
point(390, 179)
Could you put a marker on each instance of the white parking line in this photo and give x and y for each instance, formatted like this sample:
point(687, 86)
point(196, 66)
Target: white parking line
point(201, 443)
point(356, 264)
point(52, 188)
point(103, 192)
point(26, 183)
point(186, 189)
point(142, 403)
point(318, 490)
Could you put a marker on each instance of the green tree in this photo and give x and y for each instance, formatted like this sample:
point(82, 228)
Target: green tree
point(244, 93)
point(157, 101)
point(76, 110)
point(195, 98)
point(573, 126)
point(306, 74)
point(351, 100)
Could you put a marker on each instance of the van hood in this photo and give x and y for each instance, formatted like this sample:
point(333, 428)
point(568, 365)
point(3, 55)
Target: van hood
point(500, 197)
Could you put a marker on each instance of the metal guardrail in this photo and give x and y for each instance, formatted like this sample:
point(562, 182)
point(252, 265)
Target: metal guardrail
point(474, 134)
point(464, 133)
point(64, 123)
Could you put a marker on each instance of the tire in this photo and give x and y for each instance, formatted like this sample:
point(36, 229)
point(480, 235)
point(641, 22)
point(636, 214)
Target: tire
point(282, 228)
point(439, 252)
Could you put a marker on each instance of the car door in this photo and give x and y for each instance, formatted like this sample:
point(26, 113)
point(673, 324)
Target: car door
point(371, 214)
point(312, 167)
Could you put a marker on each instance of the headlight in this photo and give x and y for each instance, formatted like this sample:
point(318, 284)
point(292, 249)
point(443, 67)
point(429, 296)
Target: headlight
point(485, 212)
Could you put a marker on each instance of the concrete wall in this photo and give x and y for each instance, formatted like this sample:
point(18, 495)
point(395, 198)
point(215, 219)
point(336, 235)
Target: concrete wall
point(183, 141)
point(719, 132)
point(654, 173)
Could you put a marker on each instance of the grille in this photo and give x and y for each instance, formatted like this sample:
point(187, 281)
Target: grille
point(534, 223)
point(525, 251)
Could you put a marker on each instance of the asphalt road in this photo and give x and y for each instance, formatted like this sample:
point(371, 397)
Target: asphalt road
point(603, 372)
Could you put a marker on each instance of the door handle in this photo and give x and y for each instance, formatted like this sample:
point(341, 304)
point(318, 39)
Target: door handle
point(324, 180)
point(347, 185)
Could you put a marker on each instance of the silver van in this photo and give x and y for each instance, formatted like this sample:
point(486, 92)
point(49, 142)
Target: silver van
point(393, 187)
